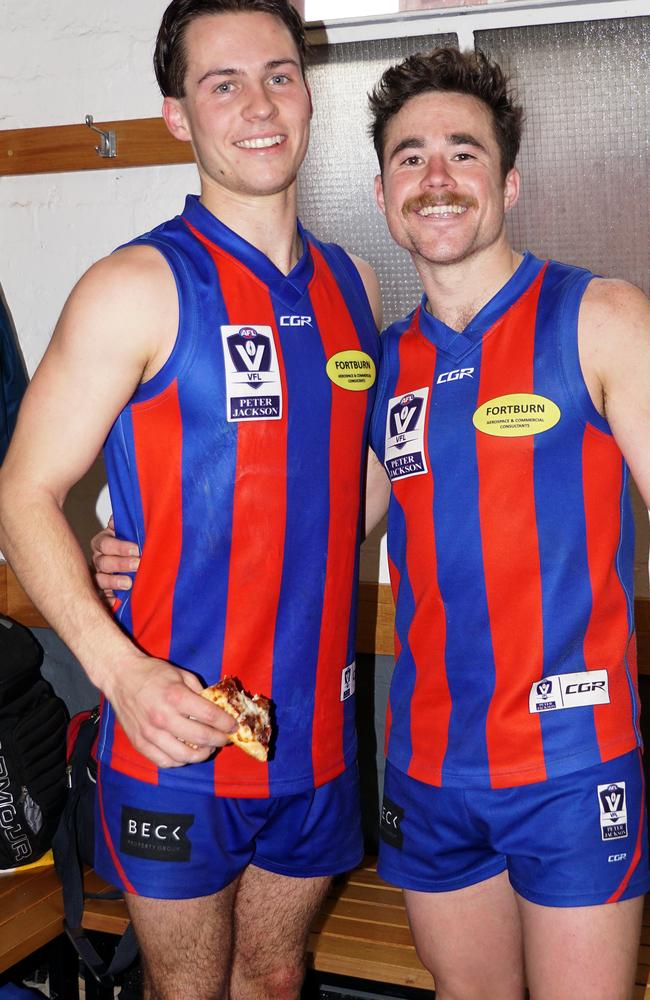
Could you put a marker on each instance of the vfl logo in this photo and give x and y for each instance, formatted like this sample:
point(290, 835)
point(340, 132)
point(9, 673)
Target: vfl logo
point(250, 352)
point(252, 370)
point(406, 414)
point(295, 321)
point(404, 454)
point(544, 688)
point(613, 810)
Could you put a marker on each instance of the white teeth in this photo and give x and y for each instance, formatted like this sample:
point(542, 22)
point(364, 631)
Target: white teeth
point(272, 140)
point(443, 210)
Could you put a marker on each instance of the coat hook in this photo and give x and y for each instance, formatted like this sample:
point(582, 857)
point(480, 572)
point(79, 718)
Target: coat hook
point(108, 144)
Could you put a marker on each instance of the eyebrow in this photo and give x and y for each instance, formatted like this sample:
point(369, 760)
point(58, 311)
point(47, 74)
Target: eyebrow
point(234, 71)
point(418, 142)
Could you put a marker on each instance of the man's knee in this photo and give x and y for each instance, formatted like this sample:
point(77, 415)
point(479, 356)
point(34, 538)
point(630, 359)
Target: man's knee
point(280, 981)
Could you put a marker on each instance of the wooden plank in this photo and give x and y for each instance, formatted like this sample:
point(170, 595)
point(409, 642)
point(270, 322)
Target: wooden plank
point(31, 913)
point(642, 616)
point(375, 619)
point(385, 963)
point(141, 142)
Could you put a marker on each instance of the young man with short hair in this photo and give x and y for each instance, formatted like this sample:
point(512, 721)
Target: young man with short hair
point(208, 355)
point(511, 404)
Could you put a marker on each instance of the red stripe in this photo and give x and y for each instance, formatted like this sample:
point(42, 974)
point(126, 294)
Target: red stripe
point(606, 639)
point(258, 533)
point(158, 444)
point(616, 895)
point(430, 707)
point(394, 583)
point(126, 884)
point(508, 527)
point(346, 455)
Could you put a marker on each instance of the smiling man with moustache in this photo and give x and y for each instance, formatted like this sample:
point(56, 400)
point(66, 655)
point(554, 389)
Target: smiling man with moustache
point(511, 407)
point(204, 354)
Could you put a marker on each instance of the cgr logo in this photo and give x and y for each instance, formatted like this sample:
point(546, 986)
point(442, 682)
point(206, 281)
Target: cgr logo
point(296, 321)
point(616, 857)
point(584, 686)
point(458, 373)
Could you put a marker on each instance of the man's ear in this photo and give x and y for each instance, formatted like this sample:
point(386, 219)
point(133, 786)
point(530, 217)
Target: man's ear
point(175, 120)
point(379, 194)
point(311, 103)
point(511, 189)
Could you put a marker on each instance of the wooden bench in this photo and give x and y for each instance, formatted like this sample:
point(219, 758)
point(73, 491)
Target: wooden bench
point(362, 930)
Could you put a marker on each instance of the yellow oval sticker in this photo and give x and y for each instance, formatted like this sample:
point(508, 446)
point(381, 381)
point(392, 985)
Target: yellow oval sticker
point(517, 415)
point(353, 370)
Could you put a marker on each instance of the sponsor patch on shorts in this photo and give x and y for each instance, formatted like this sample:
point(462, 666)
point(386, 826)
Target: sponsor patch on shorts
point(348, 681)
point(156, 836)
point(589, 687)
point(390, 827)
point(613, 810)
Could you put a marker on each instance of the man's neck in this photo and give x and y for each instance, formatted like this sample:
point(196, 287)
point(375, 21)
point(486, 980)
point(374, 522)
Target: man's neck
point(457, 292)
point(268, 223)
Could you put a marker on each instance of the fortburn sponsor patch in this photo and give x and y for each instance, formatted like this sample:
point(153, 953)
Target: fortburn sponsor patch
point(519, 414)
point(156, 836)
point(253, 384)
point(405, 423)
point(613, 810)
point(589, 687)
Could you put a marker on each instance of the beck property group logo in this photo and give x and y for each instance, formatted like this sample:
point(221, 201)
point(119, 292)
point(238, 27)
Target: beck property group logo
point(253, 384)
point(405, 423)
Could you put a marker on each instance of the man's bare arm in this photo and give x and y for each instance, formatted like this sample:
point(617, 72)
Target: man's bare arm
point(614, 335)
point(111, 335)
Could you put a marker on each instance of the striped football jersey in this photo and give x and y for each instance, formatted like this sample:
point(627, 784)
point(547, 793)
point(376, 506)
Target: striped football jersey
point(238, 469)
point(510, 544)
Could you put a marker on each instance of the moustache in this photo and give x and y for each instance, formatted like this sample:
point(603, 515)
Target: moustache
point(431, 201)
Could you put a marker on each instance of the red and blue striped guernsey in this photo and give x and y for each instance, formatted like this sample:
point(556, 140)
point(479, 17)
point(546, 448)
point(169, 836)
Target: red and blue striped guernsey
point(238, 469)
point(510, 544)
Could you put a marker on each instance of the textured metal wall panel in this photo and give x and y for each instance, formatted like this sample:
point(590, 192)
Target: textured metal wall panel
point(585, 155)
point(336, 188)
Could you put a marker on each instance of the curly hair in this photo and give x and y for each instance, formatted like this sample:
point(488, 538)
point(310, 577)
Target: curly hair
point(170, 57)
point(447, 69)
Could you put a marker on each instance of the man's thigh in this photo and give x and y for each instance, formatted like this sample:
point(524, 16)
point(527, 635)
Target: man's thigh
point(273, 916)
point(470, 940)
point(587, 951)
point(185, 944)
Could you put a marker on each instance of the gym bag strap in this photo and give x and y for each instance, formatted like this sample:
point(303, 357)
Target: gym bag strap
point(74, 847)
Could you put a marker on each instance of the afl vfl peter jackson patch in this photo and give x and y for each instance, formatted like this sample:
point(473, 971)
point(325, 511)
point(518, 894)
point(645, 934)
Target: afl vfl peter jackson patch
point(253, 384)
point(405, 422)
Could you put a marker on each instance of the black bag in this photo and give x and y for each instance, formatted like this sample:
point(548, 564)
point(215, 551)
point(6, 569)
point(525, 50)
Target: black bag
point(32, 749)
point(74, 847)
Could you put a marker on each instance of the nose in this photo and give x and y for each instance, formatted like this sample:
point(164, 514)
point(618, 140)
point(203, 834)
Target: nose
point(436, 173)
point(259, 104)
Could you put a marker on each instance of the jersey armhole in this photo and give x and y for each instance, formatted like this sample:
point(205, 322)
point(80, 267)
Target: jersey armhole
point(184, 347)
point(377, 425)
point(569, 351)
point(351, 272)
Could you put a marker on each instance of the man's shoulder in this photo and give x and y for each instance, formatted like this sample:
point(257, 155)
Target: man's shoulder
point(613, 302)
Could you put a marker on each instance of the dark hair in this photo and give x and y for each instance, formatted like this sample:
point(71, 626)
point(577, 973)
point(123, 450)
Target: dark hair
point(447, 69)
point(170, 58)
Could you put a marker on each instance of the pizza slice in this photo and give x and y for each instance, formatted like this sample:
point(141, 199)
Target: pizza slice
point(253, 715)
